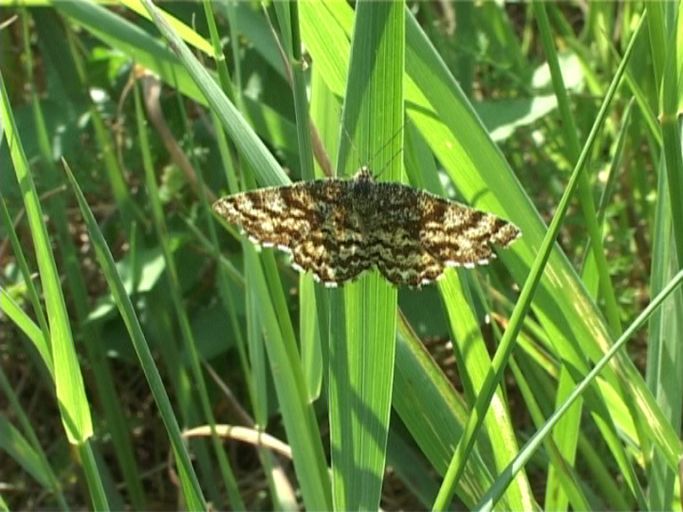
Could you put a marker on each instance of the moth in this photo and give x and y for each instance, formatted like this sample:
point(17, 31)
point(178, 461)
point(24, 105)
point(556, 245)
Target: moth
point(337, 228)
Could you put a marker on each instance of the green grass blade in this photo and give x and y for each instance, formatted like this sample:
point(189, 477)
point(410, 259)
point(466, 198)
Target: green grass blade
point(565, 310)
point(669, 118)
point(588, 276)
point(70, 390)
point(566, 435)
point(288, 18)
point(250, 146)
point(130, 39)
point(92, 475)
point(665, 365)
point(226, 270)
point(470, 348)
point(190, 485)
point(362, 361)
point(26, 273)
point(473, 353)
point(19, 317)
point(522, 306)
point(68, 379)
point(434, 413)
point(487, 122)
point(567, 478)
point(310, 296)
point(300, 423)
point(189, 344)
point(585, 193)
point(18, 448)
point(309, 333)
point(490, 499)
point(664, 361)
point(52, 36)
point(149, 53)
point(475, 165)
point(185, 31)
point(26, 451)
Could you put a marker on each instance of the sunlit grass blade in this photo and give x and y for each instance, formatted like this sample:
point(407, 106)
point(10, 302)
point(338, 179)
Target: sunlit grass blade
point(70, 390)
point(475, 362)
point(362, 354)
point(469, 345)
point(185, 31)
point(475, 165)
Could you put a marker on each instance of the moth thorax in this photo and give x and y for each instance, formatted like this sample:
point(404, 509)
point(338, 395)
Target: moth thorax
point(363, 190)
point(364, 174)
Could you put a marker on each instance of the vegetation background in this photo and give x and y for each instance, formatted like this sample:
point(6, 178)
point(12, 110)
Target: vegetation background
point(151, 358)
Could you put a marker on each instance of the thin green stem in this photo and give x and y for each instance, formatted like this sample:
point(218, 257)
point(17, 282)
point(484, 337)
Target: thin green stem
point(585, 196)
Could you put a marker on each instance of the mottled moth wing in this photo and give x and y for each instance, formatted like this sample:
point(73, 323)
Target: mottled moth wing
point(310, 220)
point(394, 243)
point(269, 216)
point(458, 235)
point(415, 235)
point(338, 228)
point(334, 248)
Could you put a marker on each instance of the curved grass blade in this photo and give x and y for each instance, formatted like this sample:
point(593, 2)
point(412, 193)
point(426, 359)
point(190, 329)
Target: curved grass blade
point(521, 308)
point(68, 379)
point(189, 482)
point(72, 400)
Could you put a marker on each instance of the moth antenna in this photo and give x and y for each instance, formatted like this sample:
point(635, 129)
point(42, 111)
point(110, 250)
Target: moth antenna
point(370, 163)
point(389, 141)
point(386, 166)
